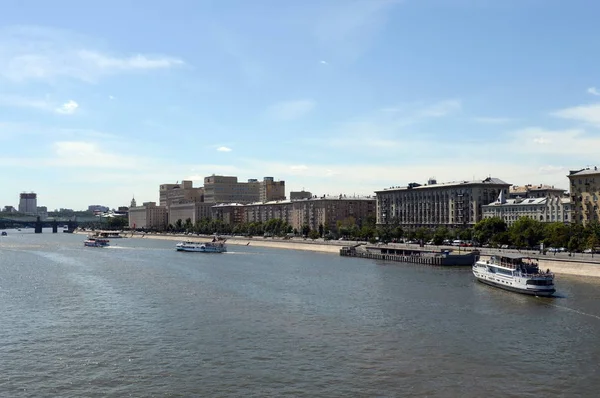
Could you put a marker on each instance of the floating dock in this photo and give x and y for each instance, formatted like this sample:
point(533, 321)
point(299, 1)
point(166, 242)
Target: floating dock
point(417, 256)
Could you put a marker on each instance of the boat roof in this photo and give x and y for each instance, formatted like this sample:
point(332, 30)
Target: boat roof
point(513, 256)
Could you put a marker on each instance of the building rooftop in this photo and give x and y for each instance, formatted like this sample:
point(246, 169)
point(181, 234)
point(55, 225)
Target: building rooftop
point(586, 171)
point(487, 181)
point(527, 202)
point(529, 187)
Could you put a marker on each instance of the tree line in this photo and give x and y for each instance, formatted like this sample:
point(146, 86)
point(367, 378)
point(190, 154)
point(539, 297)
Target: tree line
point(524, 233)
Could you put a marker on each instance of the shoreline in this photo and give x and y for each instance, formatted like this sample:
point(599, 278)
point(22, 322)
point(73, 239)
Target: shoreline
point(576, 267)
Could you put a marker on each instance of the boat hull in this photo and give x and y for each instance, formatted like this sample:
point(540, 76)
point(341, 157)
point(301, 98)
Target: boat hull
point(201, 250)
point(529, 292)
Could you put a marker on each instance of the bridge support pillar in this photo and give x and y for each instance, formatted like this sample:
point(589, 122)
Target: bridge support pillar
point(38, 225)
point(54, 227)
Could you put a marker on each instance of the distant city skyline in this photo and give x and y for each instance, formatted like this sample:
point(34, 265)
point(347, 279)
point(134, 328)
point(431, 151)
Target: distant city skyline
point(339, 96)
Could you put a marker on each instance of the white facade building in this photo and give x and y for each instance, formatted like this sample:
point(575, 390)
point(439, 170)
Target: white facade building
point(548, 209)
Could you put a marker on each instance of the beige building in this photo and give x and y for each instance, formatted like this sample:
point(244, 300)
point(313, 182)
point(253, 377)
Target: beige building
point(271, 190)
point(326, 211)
point(227, 189)
point(148, 216)
point(534, 191)
point(548, 209)
point(584, 187)
point(453, 204)
point(180, 193)
point(195, 211)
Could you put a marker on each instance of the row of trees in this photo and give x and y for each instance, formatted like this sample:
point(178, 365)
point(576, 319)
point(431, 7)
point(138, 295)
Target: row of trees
point(524, 233)
point(529, 233)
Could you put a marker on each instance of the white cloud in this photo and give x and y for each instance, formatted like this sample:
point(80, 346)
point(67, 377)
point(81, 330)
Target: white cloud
point(324, 62)
point(348, 28)
point(539, 141)
point(589, 114)
point(542, 140)
point(440, 109)
point(68, 108)
point(290, 110)
point(224, 149)
point(593, 91)
point(549, 169)
point(492, 120)
point(110, 97)
point(298, 168)
point(18, 101)
point(34, 53)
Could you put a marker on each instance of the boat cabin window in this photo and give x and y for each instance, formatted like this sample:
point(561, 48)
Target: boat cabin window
point(540, 282)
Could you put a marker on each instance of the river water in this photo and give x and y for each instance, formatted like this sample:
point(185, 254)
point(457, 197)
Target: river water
point(139, 319)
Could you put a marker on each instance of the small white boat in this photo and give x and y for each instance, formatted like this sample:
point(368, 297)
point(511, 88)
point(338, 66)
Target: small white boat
point(515, 273)
point(96, 242)
point(202, 247)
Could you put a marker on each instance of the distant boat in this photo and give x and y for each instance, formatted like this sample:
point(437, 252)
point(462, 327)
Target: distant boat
point(108, 235)
point(4, 233)
point(95, 242)
point(202, 247)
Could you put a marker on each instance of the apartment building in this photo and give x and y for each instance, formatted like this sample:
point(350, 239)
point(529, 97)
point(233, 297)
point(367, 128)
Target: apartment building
point(148, 216)
point(271, 190)
point(584, 188)
point(548, 209)
point(534, 191)
point(28, 203)
point(229, 213)
point(452, 204)
point(325, 210)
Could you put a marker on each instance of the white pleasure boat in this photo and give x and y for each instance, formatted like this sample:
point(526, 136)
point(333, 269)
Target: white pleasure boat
point(202, 247)
point(515, 273)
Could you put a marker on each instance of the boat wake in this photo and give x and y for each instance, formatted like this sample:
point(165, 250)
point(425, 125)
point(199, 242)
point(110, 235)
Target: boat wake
point(573, 310)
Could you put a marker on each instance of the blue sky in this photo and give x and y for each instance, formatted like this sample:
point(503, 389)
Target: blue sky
point(101, 102)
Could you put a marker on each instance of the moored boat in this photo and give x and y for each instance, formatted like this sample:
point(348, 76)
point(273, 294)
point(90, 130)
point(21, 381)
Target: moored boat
point(96, 242)
point(202, 247)
point(515, 273)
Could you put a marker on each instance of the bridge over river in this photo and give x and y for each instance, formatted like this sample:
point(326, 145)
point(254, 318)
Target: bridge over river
point(18, 221)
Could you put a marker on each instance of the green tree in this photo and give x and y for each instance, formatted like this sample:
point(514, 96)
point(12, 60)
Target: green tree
point(321, 228)
point(305, 230)
point(526, 232)
point(117, 222)
point(485, 230)
point(440, 235)
point(313, 234)
point(179, 225)
point(556, 234)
